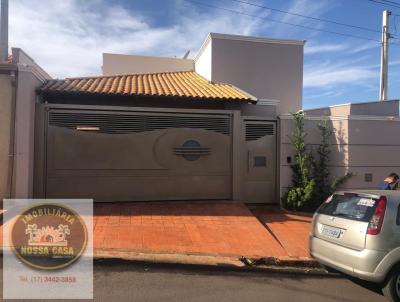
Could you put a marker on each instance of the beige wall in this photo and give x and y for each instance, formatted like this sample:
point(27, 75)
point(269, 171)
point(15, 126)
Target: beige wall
point(266, 68)
point(360, 145)
point(5, 127)
point(115, 64)
point(24, 133)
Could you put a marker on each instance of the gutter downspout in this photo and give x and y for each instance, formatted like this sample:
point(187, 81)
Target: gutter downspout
point(11, 152)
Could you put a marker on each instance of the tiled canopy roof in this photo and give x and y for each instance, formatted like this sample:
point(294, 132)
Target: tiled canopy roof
point(187, 84)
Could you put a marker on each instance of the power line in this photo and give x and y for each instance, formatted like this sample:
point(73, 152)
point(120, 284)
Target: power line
point(282, 22)
point(393, 2)
point(388, 2)
point(382, 2)
point(308, 17)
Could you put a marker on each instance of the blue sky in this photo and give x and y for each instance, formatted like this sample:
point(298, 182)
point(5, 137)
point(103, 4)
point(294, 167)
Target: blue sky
point(68, 37)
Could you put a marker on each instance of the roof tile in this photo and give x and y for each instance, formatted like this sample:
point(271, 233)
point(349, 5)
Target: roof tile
point(181, 84)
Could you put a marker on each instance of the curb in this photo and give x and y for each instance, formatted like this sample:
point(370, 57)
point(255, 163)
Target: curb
point(235, 264)
point(270, 264)
point(171, 258)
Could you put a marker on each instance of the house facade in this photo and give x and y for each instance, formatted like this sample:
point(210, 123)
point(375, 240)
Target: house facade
point(155, 128)
point(215, 127)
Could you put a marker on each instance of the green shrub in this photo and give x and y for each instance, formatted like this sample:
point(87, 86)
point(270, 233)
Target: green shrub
point(311, 181)
point(303, 185)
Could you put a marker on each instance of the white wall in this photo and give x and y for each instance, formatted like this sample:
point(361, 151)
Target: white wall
point(265, 68)
point(116, 64)
point(203, 61)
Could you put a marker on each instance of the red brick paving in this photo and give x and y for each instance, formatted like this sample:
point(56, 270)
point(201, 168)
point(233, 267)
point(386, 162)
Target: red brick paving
point(213, 228)
point(219, 228)
point(291, 230)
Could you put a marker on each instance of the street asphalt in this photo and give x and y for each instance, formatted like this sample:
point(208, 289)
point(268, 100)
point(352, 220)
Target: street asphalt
point(132, 281)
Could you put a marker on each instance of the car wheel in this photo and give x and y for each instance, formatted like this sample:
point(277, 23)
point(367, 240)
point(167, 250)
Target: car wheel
point(391, 290)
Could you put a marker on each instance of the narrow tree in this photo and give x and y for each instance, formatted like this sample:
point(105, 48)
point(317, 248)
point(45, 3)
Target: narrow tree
point(301, 191)
point(323, 187)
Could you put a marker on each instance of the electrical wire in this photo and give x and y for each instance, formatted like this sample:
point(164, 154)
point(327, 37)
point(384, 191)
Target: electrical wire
point(307, 17)
point(283, 22)
point(388, 2)
point(382, 2)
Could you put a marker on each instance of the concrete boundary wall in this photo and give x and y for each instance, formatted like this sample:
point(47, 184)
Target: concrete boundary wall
point(365, 145)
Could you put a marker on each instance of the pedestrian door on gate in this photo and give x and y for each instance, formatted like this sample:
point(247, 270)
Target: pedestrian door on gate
point(260, 161)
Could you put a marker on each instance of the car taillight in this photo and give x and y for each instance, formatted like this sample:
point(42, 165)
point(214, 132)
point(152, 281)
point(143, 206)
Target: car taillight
point(375, 225)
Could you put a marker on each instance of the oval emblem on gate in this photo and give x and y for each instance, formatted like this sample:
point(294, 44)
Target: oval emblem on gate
point(48, 236)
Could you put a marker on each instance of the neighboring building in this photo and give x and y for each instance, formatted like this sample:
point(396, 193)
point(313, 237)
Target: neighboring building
point(116, 64)
point(19, 77)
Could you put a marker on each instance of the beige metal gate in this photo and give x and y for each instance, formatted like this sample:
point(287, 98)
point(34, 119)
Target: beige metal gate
point(260, 161)
point(137, 156)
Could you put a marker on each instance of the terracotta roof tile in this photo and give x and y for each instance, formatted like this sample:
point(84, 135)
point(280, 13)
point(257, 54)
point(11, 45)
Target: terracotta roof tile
point(181, 84)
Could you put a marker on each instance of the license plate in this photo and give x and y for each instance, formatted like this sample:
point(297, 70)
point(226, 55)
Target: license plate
point(331, 231)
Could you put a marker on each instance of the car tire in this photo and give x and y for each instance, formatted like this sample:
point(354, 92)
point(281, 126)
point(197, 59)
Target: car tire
point(391, 289)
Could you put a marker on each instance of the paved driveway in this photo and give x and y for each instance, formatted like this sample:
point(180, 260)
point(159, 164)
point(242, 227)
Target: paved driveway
point(215, 228)
point(219, 228)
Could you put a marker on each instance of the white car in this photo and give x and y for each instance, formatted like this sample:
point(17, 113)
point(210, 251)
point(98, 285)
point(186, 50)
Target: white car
point(358, 233)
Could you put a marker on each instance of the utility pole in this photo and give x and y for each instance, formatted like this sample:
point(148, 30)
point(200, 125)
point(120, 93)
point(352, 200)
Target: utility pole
point(4, 31)
point(383, 92)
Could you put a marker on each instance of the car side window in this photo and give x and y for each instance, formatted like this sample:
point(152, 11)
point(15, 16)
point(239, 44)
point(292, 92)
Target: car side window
point(398, 216)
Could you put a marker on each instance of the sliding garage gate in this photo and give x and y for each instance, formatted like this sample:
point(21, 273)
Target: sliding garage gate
point(137, 156)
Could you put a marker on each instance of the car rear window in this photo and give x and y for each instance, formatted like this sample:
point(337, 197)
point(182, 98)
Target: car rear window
point(353, 207)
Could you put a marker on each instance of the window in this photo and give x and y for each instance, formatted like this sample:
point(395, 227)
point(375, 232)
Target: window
point(352, 207)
